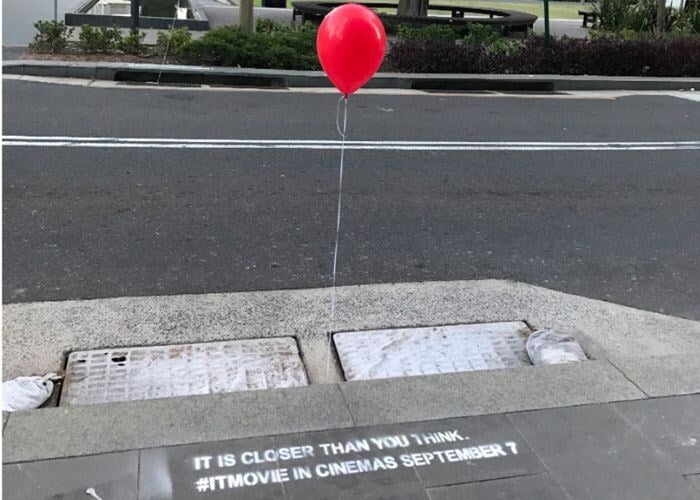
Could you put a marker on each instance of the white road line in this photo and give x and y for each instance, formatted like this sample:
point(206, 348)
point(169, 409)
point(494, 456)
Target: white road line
point(183, 140)
point(190, 143)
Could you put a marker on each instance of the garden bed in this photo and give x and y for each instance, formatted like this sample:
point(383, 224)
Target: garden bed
point(435, 49)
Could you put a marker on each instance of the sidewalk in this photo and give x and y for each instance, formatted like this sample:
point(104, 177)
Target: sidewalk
point(644, 449)
point(622, 425)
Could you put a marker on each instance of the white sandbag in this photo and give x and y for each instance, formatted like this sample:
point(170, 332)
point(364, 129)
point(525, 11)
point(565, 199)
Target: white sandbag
point(26, 393)
point(549, 347)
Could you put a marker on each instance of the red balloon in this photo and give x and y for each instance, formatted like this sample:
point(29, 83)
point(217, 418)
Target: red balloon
point(350, 43)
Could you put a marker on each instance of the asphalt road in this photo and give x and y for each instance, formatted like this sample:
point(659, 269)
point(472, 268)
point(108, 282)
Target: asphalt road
point(95, 222)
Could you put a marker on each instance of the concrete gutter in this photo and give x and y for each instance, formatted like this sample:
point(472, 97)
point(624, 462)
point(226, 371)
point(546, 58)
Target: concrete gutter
point(287, 78)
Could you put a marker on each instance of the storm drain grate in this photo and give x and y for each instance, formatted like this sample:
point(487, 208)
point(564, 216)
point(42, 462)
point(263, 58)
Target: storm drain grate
point(426, 351)
point(135, 373)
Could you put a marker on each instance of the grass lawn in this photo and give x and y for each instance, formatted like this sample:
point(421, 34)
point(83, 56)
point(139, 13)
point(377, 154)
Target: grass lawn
point(557, 10)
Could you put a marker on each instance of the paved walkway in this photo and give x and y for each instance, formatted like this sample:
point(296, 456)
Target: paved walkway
point(221, 13)
point(645, 449)
point(562, 27)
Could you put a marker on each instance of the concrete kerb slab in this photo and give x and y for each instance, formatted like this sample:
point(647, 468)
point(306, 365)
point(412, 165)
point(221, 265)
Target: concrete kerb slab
point(659, 376)
point(103, 428)
point(106, 428)
point(433, 397)
point(290, 78)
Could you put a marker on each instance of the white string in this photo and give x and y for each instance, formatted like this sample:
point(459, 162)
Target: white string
point(331, 326)
point(167, 45)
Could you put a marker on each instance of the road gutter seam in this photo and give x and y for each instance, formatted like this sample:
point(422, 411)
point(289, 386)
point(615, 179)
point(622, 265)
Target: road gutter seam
point(267, 78)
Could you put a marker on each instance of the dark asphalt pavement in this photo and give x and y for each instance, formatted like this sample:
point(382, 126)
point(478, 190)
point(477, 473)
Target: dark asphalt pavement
point(622, 226)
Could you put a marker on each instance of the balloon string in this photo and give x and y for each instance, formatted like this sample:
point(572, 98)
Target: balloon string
point(331, 326)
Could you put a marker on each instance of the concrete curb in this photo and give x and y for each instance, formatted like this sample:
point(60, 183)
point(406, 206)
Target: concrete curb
point(288, 78)
point(38, 335)
point(112, 427)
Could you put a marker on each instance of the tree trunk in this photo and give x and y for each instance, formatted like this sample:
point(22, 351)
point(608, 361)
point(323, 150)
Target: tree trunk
point(660, 18)
point(245, 13)
point(417, 8)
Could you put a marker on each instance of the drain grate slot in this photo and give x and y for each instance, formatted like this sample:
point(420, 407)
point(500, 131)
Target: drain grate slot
point(431, 350)
point(136, 373)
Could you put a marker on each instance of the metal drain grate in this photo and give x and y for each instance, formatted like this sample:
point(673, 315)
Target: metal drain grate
point(425, 351)
point(134, 373)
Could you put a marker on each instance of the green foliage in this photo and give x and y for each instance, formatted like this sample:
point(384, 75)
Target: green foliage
point(625, 17)
point(481, 35)
point(287, 48)
point(99, 39)
point(478, 35)
point(611, 14)
point(52, 36)
point(641, 16)
point(175, 42)
point(623, 34)
point(132, 43)
point(269, 26)
point(430, 33)
point(683, 21)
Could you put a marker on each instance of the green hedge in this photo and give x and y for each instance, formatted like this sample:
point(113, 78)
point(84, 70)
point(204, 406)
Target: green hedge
point(271, 46)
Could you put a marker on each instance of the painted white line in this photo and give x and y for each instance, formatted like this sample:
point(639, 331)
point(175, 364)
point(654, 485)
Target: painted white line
point(190, 143)
point(353, 147)
point(178, 140)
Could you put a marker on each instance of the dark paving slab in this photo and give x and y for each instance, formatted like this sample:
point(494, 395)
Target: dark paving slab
point(536, 487)
point(394, 462)
point(575, 453)
point(112, 476)
point(396, 484)
point(173, 473)
point(694, 479)
point(672, 425)
point(501, 451)
point(594, 453)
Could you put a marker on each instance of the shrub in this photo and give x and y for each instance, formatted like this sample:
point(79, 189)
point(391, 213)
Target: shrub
point(132, 43)
point(100, 39)
point(439, 57)
point(52, 36)
point(601, 56)
point(269, 26)
point(492, 41)
point(174, 42)
point(430, 33)
point(640, 16)
point(685, 21)
point(612, 14)
point(480, 34)
point(293, 48)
